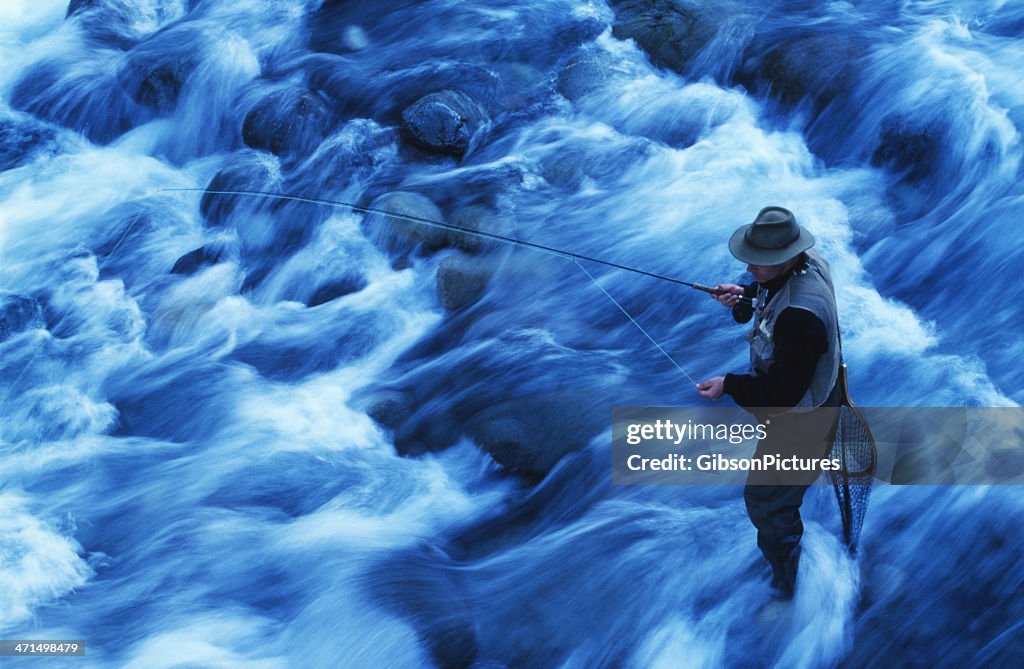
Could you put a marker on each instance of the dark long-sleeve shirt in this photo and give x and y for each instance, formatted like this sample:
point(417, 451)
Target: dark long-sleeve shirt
point(800, 340)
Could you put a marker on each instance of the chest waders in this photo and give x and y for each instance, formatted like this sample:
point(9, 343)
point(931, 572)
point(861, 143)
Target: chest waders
point(852, 445)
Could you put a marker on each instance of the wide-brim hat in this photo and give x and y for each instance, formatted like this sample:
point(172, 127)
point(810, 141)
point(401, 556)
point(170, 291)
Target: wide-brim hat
point(773, 238)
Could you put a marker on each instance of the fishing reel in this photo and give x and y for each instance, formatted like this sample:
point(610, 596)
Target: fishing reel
point(743, 311)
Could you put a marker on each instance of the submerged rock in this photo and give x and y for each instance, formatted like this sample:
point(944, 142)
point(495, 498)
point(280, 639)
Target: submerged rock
point(480, 218)
point(401, 237)
point(155, 71)
point(87, 98)
point(133, 231)
point(192, 261)
point(251, 171)
point(357, 90)
point(448, 122)
point(461, 280)
point(818, 66)
point(335, 288)
point(288, 123)
point(907, 145)
point(390, 408)
point(670, 31)
point(584, 73)
point(530, 435)
point(424, 586)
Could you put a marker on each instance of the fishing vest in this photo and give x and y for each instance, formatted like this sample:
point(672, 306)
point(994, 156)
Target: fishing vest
point(809, 288)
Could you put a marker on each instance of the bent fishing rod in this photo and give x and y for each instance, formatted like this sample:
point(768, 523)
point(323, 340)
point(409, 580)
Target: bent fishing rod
point(576, 257)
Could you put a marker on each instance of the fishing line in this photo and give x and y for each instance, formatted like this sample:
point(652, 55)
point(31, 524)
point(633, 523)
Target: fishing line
point(633, 320)
point(457, 228)
point(575, 257)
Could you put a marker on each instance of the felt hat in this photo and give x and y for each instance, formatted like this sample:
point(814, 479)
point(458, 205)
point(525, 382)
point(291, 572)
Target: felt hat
point(773, 238)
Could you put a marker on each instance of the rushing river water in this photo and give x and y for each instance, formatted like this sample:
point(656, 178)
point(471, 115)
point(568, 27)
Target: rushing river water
point(189, 471)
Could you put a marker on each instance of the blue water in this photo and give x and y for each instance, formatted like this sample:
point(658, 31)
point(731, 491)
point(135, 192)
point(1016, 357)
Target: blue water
point(189, 475)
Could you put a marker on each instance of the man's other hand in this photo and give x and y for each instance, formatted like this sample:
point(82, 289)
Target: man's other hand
point(712, 388)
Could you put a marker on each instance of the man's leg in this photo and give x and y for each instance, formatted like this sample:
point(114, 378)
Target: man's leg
point(773, 499)
point(775, 512)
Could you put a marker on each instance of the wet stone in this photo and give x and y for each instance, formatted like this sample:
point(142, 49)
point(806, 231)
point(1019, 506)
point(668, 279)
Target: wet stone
point(819, 67)
point(192, 261)
point(403, 237)
point(155, 71)
point(337, 288)
point(907, 145)
point(288, 123)
point(249, 172)
point(670, 31)
point(584, 73)
point(461, 280)
point(478, 218)
point(448, 122)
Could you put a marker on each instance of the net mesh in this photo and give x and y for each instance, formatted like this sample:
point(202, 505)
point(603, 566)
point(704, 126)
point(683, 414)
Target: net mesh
point(854, 448)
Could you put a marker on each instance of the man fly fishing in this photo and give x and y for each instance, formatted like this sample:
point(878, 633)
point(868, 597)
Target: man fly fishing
point(795, 386)
point(794, 367)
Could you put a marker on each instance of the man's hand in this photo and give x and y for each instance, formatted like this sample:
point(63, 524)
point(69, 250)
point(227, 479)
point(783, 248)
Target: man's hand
point(728, 294)
point(712, 388)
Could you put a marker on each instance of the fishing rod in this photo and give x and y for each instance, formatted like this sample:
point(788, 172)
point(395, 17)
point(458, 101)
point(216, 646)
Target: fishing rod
point(458, 228)
point(745, 302)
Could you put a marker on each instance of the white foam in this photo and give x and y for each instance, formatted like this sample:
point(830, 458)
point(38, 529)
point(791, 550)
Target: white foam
point(821, 627)
point(221, 640)
point(37, 565)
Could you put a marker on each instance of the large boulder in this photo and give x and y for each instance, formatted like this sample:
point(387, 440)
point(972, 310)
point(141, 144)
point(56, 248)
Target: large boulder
point(390, 408)
point(478, 218)
point(156, 70)
point(296, 482)
point(670, 31)
point(401, 237)
point(819, 67)
point(584, 73)
point(151, 399)
point(250, 171)
point(907, 145)
point(343, 81)
point(575, 161)
point(448, 122)
point(529, 435)
point(87, 97)
point(289, 123)
point(461, 280)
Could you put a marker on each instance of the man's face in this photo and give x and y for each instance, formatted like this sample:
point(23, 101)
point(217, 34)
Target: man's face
point(765, 273)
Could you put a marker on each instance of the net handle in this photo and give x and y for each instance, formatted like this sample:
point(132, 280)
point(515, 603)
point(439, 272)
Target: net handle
point(844, 398)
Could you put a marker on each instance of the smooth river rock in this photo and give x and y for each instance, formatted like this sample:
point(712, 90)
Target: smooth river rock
point(448, 122)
